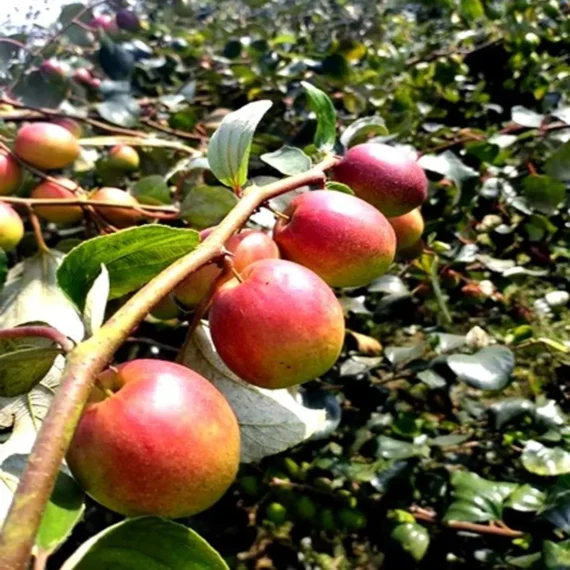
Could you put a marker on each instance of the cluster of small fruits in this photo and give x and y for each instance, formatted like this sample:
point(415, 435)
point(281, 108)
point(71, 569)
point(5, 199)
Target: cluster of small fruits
point(53, 146)
point(156, 437)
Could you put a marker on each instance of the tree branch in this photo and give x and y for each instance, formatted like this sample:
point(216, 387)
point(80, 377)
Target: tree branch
point(89, 358)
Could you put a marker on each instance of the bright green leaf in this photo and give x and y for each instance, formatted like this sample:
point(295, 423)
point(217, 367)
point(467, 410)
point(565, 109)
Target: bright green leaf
point(546, 461)
point(288, 160)
point(326, 117)
point(413, 538)
point(205, 206)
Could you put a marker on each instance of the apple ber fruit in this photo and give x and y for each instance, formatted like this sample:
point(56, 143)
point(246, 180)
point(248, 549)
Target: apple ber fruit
point(408, 228)
point(384, 176)
point(246, 246)
point(11, 227)
point(46, 145)
point(118, 217)
point(165, 443)
point(280, 326)
point(343, 239)
point(10, 174)
point(124, 157)
point(65, 189)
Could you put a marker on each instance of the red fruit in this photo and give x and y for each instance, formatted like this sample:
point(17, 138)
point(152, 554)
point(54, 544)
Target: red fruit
point(46, 145)
point(84, 77)
point(280, 327)
point(247, 246)
point(10, 174)
point(54, 68)
point(66, 190)
point(118, 217)
point(127, 20)
point(105, 22)
point(344, 240)
point(71, 125)
point(11, 227)
point(124, 157)
point(166, 442)
point(384, 176)
point(409, 228)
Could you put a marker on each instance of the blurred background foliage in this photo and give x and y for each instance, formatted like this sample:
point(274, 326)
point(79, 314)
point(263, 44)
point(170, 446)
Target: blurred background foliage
point(448, 441)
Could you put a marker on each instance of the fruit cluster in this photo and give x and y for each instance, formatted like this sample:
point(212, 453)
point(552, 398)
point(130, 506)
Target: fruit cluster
point(157, 438)
point(53, 146)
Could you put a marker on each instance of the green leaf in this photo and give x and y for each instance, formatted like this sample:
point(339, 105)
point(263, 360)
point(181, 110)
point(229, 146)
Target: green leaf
point(471, 10)
point(477, 499)
point(526, 499)
point(38, 90)
point(556, 555)
point(121, 109)
point(230, 145)
point(361, 129)
point(413, 538)
point(23, 364)
point(390, 448)
point(115, 60)
point(448, 165)
point(488, 369)
point(206, 206)
point(288, 160)
point(152, 190)
point(326, 117)
point(339, 187)
point(76, 34)
point(544, 193)
point(132, 257)
point(546, 461)
point(558, 165)
point(149, 543)
point(62, 512)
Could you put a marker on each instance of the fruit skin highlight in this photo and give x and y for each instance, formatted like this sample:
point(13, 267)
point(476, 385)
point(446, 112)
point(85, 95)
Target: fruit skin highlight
point(66, 190)
point(46, 145)
point(70, 124)
point(383, 176)
point(10, 174)
point(118, 217)
point(343, 239)
point(246, 246)
point(408, 228)
point(280, 327)
point(11, 227)
point(166, 443)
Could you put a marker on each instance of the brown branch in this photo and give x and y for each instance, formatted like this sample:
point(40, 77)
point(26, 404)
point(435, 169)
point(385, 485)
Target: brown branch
point(89, 358)
point(37, 230)
point(66, 344)
point(429, 516)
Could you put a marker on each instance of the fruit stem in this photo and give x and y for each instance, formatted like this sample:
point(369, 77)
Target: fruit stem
point(66, 344)
point(89, 358)
point(107, 391)
point(37, 230)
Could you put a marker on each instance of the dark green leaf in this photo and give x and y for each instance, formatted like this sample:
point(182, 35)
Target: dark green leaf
point(115, 60)
point(390, 448)
point(488, 369)
point(556, 555)
point(558, 165)
point(62, 512)
point(230, 145)
point(122, 110)
point(206, 206)
point(361, 129)
point(288, 160)
point(526, 499)
point(132, 257)
point(543, 193)
point(152, 190)
point(148, 543)
point(326, 117)
point(40, 90)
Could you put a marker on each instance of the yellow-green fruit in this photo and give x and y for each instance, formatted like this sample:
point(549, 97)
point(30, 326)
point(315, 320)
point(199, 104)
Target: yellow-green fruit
point(124, 157)
point(47, 146)
point(165, 309)
point(11, 227)
point(276, 513)
point(408, 229)
point(305, 508)
point(351, 519)
point(326, 520)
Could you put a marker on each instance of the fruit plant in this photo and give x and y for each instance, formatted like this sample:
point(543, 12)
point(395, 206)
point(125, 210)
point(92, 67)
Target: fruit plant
point(286, 286)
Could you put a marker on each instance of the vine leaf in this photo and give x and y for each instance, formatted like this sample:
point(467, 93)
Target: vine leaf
point(271, 421)
point(323, 107)
point(288, 160)
point(230, 145)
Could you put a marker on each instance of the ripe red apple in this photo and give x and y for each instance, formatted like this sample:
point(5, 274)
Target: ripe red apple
point(46, 145)
point(11, 227)
point(124, 157)
point(247, 246)
point(280, 327)
point(118, 217)
point(10, 174)
point(53, 68)
point(384, 176)
point(409, 228)
point(70, 124)
point(66, 189)
point(165, 443)
point(343, 239)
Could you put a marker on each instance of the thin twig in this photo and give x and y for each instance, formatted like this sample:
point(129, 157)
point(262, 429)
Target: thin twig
point(66, 344)
point(37, 230)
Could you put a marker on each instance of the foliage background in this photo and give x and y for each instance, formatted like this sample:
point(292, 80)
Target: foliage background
point(452, 391)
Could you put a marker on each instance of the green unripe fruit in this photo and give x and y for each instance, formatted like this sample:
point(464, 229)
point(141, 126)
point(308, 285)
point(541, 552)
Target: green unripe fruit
point(276, 513)
point(347, 498)
point(326, 520)
point(250, 485)
point(351, 520)
point(305, 508)
point(165, 309)
point(124, 157)
point(11, 227)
